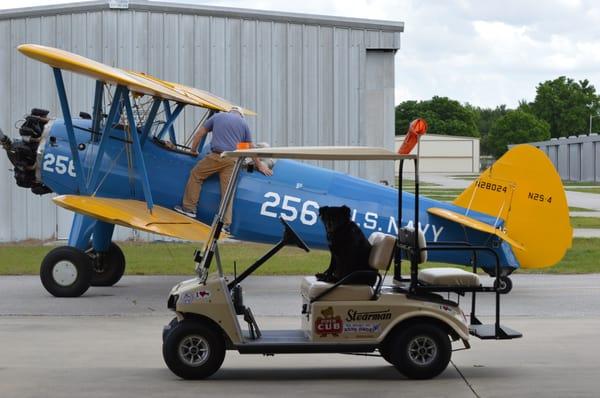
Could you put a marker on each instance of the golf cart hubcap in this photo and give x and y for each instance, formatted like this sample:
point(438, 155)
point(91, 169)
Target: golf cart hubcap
point(64, 273)
point(193, 350)
point(422, 350)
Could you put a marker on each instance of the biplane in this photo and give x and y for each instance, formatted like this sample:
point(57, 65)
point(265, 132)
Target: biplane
point(122, 165)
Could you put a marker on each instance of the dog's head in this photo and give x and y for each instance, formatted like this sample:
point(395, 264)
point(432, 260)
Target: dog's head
point(334, 217)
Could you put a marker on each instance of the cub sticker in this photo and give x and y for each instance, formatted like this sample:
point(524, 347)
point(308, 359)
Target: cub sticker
point(328, 323)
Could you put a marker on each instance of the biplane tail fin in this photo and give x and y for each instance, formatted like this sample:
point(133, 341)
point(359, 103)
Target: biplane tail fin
point(523, 189)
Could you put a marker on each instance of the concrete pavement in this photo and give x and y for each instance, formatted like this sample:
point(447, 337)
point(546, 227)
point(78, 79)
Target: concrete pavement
point(278, 296)
point(108, 343)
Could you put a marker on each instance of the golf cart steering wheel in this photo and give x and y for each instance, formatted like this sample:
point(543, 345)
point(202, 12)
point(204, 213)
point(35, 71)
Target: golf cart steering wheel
point(290, 237)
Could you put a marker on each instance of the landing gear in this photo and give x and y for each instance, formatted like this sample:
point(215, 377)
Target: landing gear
point(66, 272)
point(69, 272)
point(108, 267)
point(504, 284)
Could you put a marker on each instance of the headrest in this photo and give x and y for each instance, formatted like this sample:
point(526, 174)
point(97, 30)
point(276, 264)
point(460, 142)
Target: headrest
point(382, 249)
point(407, 237)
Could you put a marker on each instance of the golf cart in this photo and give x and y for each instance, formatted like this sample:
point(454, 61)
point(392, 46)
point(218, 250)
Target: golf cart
point(407, 322)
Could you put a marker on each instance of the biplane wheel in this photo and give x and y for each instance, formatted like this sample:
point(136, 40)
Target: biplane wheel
point(193, 350)
point(108, 268)
point(421, 350)
point(503, 284)
point(66, 272)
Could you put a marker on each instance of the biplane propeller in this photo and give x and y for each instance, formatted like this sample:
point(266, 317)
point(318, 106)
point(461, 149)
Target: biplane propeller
point(122, 165)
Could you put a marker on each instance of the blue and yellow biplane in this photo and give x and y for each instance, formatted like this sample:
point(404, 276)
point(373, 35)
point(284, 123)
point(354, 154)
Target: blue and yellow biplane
point(122, 165)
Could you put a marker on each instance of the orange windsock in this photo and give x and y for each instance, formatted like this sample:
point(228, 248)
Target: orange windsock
point(416, 128)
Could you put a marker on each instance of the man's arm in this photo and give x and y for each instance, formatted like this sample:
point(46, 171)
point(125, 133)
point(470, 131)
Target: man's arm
point(263, 168)
point(260, 166)
point(202, 131)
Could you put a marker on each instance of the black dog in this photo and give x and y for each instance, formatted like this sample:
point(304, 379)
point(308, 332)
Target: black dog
point(349, 248)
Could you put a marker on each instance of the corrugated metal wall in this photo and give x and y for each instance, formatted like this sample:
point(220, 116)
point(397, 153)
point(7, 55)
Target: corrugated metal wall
point(307, 82)
point(575, 158)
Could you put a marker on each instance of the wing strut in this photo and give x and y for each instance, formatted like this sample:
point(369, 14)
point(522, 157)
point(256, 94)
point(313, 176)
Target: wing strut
point(64, 104)
point(121, 100)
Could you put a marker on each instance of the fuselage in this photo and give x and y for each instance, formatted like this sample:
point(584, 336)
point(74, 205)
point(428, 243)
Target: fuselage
point(294, 192)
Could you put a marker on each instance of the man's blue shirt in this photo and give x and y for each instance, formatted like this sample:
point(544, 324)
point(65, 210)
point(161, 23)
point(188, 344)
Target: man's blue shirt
point(228, 129)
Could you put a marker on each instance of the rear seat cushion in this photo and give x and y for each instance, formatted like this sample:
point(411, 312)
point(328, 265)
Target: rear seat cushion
point(449, 277)
point(311, 288)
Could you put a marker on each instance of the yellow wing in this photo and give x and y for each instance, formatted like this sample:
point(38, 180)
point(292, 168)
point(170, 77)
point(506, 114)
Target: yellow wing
point(134, 214)
point(136, 82)
point(475, 224)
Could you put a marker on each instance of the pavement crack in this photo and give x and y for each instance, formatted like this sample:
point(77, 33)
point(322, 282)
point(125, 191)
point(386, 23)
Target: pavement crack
point(465, 380)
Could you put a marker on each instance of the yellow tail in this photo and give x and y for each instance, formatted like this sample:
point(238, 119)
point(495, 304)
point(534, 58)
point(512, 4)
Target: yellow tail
point(524, 189)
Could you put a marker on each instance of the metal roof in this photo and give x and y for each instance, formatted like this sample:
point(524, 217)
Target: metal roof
point(320, 153)
point(242, 13)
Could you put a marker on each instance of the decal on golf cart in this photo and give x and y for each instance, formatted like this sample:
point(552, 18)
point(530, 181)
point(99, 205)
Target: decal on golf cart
point(354, 315)
point(329, 323)
point(189, 298)
point(364, 329)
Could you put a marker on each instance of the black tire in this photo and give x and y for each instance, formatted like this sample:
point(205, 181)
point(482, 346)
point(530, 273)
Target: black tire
point(112, 268)
point(182, 339)
point(66, 272)
point(385, 351)
point(421, 350)
point(168, 328)
point(503, 284)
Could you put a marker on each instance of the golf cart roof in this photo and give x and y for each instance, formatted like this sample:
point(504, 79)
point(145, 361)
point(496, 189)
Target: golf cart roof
point(320, 153)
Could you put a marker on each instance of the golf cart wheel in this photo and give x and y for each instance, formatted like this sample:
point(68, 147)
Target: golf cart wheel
point(421, 351)
point(66, 272)
point(168, 328)
point(503, 284)
point(193, 350)
point(109, 267)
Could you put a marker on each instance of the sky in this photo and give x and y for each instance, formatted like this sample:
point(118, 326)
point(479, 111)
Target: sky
point(484, 52)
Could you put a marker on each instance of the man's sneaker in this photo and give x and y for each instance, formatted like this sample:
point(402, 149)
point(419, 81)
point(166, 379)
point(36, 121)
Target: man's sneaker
point(226, 229)
point(185, 212)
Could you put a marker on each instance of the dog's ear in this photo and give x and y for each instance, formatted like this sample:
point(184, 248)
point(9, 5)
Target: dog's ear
point(323, 210)
point(346, 211)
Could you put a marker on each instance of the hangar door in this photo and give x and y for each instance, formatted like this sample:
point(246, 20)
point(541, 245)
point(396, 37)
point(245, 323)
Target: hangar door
point(379, 109)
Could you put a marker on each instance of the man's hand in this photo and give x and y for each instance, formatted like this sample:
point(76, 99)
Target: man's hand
point(263, 168)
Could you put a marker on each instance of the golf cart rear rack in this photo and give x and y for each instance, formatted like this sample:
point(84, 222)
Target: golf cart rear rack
point(409, 244)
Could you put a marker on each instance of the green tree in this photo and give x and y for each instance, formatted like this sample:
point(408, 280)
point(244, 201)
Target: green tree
point(516, 127)
point(443, 115)
point(566, 105)
point(485, 118)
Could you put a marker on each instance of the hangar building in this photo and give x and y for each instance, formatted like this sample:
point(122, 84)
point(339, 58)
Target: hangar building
point(313, 80)
point(445, 154)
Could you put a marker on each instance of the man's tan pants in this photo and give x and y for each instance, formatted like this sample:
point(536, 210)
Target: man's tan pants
point(211, 164)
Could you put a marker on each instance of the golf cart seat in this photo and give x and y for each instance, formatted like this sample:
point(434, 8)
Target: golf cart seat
point(448, 277)
point(436, 276)
point(380, 257)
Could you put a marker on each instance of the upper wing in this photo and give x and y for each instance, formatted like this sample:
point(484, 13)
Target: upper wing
point(134, 214)
point(136, 82)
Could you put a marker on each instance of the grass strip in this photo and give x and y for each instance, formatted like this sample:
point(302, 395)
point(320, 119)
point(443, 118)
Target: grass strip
point(176, 259)
point(585, 222)
point(585, 190)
